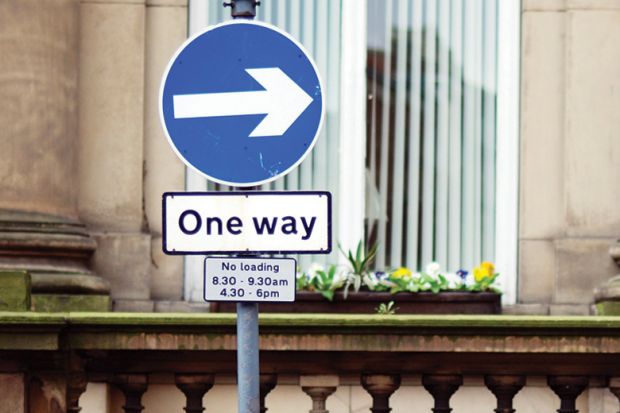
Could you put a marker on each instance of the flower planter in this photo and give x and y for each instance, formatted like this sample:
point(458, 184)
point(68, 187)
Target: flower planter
point(365, 302)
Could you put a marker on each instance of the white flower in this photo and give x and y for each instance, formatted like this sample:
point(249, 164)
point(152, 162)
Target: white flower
point(371, 281)
point(313, 268)
point(433, 269)
point(454, 281)
point(340, 277)
point(354, 280)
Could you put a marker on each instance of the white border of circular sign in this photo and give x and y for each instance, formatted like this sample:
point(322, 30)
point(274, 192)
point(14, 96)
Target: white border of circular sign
point(174, 58)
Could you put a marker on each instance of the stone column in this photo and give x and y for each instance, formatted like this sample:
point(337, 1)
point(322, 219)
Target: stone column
point(111, 123)
point(319, 388)
point(77, 380)
point(133, 387)
point(614, 386)
point(442, 387)
point(567, 388)
point(166, 29)
point(13, 392)
point(39, 227)
point(47, 393)
point(380, 387)
point(194, 387)
point(504, 388)
point(268, 382)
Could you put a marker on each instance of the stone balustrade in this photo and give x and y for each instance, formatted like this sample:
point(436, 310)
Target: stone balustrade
point(62, 352)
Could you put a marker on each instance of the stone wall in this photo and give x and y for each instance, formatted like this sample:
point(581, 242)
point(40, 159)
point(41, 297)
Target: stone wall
point(570, 151)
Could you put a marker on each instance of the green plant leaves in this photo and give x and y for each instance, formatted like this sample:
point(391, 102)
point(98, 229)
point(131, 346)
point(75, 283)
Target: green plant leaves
point(386, 308)
point(361, 260)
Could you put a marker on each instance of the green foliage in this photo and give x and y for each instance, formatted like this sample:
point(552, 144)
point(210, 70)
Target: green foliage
point(325, 282)
point(303, 281)
point(360, 262)
point(435, 284)
point(403, 285)
point(322, 281)
point(386, 308)
point(485, 284)
point(358, 274)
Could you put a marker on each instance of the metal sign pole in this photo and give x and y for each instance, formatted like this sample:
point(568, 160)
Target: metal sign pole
point(248, 385)
point(248, 370)
point(248, 365)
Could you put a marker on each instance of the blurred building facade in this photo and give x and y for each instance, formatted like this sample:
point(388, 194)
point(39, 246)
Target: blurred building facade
point(85, 160)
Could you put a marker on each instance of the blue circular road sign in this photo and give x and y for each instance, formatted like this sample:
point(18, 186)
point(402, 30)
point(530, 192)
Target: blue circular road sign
point(242, 103)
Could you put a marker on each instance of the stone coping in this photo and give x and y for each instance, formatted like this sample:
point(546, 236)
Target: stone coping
point(285, 334)
point(302, 321)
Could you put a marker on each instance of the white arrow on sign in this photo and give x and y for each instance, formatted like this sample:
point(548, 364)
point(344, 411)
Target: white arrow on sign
point(282, 100)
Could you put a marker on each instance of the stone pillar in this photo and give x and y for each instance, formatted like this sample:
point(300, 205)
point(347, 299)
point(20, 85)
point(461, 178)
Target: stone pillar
point(166, 29)
point(194, 387)
point(380, 387)
point(111, 123)
point(614, 386)
point(13, 393)
point(38, 85)
point(319, 388)
point(569, 158)
point(442, 387)
point(39, 227)
point(504, 388)
point(567, 388)
point(47, 393)
point(268, 382)
point(133, 387)
point(77, 380)
point(542, 129)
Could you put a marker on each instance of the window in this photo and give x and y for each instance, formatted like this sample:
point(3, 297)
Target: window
point(416, 92)
point(431, 131)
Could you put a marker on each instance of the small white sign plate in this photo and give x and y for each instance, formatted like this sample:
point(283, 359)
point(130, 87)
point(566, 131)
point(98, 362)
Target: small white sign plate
point(250, 279)
point(252, 221)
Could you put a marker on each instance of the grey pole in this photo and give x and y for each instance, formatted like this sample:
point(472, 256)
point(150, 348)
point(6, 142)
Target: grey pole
point(248, 366)
point(245, 9)
point(248, 384)
point(248, 371)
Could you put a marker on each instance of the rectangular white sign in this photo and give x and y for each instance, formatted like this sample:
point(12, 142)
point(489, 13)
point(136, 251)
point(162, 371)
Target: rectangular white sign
point(240, 222)
point(250, 279)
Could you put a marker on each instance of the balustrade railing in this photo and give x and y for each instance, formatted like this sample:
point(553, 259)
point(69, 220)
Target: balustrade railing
point(126, 350)
point(379, 386)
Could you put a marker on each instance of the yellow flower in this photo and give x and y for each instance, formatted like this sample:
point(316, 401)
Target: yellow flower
point(402, 272)
point(486, 269)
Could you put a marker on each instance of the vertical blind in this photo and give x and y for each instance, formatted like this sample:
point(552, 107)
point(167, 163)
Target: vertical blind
point(431, 112)
point(431, 123)
point(317, 25)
